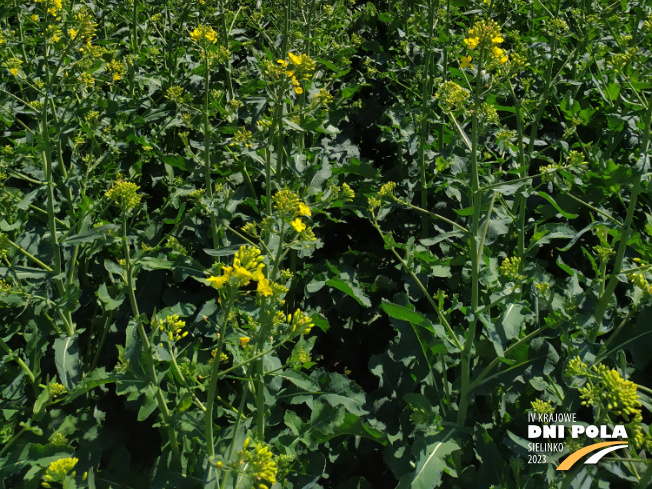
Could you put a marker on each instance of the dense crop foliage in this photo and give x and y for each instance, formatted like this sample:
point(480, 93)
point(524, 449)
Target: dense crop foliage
point(309, 243)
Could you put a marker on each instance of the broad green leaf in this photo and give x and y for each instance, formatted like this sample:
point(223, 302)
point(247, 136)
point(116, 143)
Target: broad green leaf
point(512, 321)
point(109, 303)
point(431, 463)
point(66, 359)
point(95, 379)
point(340, 391)
point(148, 406)
point(301, 380)
point(350, 289)
point(567, 215)
point(404, 314)
point(87, 236)
point(41, 400)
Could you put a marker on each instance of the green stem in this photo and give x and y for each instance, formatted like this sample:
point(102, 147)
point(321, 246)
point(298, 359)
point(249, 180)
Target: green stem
point(624, 236)
point(207, 148)
point(425, 129)
point(21, 36)
point(158, 393)
point(225, 40)
point(453, 337)
point(18, 360)
point(12, 441)
point(46, 155)
point(476, 254)
point(30, 256)
point(212, 382)
point(526, 339)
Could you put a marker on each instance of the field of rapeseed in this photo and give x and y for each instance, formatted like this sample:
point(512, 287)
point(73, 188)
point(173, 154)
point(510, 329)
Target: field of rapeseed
point(325, 244)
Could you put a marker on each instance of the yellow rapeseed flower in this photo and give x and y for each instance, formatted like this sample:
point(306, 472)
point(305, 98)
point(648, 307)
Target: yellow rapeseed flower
point(264, 288)
point(244, 340)
point(204, 33)
point(298, 225)
point(304, 210)
point(466, 62)
point(472, 42)
point(218, 282)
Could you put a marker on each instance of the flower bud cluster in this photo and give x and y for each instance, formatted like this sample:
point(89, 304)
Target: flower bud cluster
point(510, 268)
point(173, 327)
point(125, 195)
point(58, 470)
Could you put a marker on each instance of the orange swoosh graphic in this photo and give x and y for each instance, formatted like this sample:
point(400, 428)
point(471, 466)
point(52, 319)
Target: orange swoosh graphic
point(574, 457)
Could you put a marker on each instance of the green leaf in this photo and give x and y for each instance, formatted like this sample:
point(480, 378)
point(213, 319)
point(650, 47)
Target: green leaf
point(404, 314)
point(567, 215)
point(431, 463)
point(148, 407)
point(41, 400)
point(339, 391)
point(301, 380)
point(95, 379)
point(66, 359)
point(512, 321)
point(87, 236)
point(351, 290)
point(109, 303)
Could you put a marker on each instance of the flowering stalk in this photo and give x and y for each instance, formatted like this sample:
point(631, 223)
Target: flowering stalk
point(266, 325)
point(225, 40)
point(475, 197)
point(212, 383)
point(207, 145)
point(46, 155)
point(18, 360)
point(158, 394)
point(624, 234)
point(426, 91)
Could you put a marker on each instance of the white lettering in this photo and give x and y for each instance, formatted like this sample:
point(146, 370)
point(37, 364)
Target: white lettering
point(619, 431)
point(577, 430)
point(592, 431)
point(533, 431)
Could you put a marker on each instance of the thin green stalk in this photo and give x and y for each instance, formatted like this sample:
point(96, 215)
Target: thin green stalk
point(432, 214)
point(100, 346)
point(12, 441)
point(207, 147)
point(212, 382)
point(33, 207)
point(130, 282)
point(268, 180)
point(46, 155)
point(18, 360)
point(453, 337)
point(225, 40)
point(21, 35)
point(476, 254)
point(158, 394)
point(526, 339)
point(30, 256)
point(260, 374)
point(426, 90)
point(593, 208)
point(485, 229)
point(277, 259)
point(624, 236)
point(520, 200)
point(182, 379)
point(236, 426)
